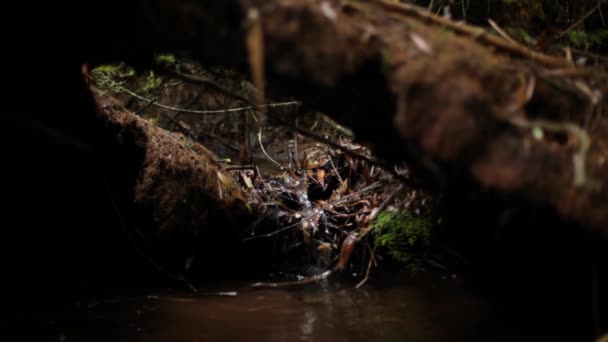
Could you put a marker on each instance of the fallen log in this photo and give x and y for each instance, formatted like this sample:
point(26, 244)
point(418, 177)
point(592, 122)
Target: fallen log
point(455, 99)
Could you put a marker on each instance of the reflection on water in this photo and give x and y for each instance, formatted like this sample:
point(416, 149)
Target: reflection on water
point(427, 308)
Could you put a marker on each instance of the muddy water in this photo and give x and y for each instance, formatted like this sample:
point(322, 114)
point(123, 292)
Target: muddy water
point(423, 308)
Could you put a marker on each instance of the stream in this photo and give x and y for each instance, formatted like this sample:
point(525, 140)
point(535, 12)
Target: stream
point(398, 307)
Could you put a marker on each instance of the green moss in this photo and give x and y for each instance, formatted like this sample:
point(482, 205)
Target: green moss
point(165, 59)
point(116, 77)
point(112, 76)
point(585, 40)
point(152, 83)
point(404, 236)
point(116, 70)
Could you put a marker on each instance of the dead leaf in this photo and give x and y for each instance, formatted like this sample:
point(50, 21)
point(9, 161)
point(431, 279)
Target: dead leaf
point(292, 174)
point(304, 161)
point(322, 203)
point(366, 174)
point(324, 245)
point(314, 222)
point(321, 177)
point(306, 235)
point(247, 180)
point(224, 179)
point(343, 187)
point(364, 202)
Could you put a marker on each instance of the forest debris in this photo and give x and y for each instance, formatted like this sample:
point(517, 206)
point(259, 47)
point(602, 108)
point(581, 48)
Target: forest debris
point(325, 199)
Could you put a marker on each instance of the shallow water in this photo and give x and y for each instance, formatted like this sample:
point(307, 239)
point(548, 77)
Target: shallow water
point(403, 308)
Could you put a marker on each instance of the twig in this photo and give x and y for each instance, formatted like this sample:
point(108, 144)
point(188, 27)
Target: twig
point(264, 150)
point(334, 168)
point(217, 111)
point(293, 225)
point(501, 32)
point(189, 104)
point(369, 267)
point(367, 188)
point(151, 102)
point(578, 22)
point(571, 72)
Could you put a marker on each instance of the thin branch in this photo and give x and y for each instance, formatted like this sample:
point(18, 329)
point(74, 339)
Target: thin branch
point(293, 225)
point(264, 150)
point(190, 103)
point(218, 111)
point(369, 267)
point(335, 169)
point(151, 102)
point(211, 84)
point(578, 22)
point(501, 32)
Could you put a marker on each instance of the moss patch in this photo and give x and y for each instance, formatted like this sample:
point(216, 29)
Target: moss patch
point(404, 236)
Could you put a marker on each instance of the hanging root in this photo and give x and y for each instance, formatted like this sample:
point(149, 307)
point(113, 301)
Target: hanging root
point(579, 158)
